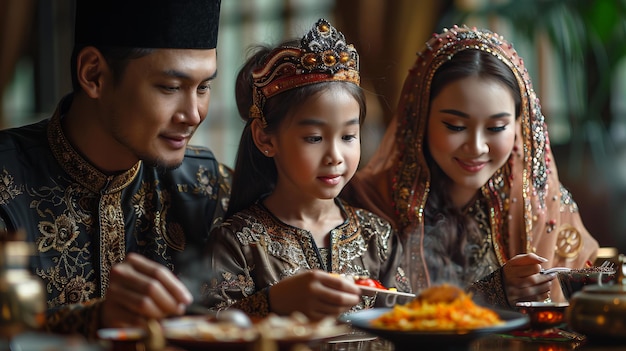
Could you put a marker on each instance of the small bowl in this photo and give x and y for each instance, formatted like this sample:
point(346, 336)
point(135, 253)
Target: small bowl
point(123, 339)
point(574, 280)
point(543, 315)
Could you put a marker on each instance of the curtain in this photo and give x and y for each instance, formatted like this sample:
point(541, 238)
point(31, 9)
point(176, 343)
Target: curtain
point(16, 19)
point(387, 35)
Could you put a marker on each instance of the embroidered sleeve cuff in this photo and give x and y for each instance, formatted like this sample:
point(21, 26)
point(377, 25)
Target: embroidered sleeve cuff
point(490, 290)
point(257, 305)
point(79, 318)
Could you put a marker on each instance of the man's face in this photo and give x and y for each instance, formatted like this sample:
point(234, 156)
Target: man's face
point(151, 113)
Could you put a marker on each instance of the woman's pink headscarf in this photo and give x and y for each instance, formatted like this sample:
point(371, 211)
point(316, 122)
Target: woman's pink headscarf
point(529, 209)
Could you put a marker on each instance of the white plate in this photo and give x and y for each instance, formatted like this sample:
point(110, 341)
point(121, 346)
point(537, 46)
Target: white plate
point(197, 333)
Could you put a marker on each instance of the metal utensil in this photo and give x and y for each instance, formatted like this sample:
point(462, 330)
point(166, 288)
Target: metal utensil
point(555, 270)
point(231, 315)
point(606, 264)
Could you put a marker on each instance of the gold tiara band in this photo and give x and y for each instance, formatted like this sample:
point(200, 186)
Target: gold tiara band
point(301, 80)
point(323, 56)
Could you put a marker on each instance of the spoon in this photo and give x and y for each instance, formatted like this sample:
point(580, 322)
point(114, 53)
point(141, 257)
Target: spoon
point(555, 270)
point(231, 315)
point(234, 316)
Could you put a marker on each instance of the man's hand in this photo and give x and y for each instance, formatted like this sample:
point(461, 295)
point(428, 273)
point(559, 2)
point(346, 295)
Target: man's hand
point(140, 289)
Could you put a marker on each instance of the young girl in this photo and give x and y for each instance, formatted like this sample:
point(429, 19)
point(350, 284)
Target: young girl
point(466, 175)
point(286, 229)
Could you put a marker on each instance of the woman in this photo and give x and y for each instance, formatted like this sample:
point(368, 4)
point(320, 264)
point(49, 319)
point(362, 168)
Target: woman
point(465, 173)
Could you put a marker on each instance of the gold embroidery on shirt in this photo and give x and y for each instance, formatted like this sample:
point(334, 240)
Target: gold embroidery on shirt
point(113, 236)
point(79, 169)
point(8, 189)
point(206, 183)
point(58, 235)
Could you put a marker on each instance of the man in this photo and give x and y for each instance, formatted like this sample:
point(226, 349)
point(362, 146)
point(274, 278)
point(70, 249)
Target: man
point(107, 190)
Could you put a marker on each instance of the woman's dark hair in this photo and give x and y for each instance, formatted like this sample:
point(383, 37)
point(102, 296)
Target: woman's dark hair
point(451, 228)
point(255, 174)
point(117, 59)
point(479, 63)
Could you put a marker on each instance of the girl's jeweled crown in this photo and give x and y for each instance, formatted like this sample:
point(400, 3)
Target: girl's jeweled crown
point(322, 56)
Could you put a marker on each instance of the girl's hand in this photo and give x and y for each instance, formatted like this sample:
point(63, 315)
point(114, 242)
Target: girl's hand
point(315, 293)
point(523, 281)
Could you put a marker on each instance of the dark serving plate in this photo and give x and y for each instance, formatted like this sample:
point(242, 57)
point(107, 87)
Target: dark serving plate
point(454, 339)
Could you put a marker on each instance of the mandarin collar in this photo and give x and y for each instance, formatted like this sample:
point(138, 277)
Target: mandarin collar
point(78, 168)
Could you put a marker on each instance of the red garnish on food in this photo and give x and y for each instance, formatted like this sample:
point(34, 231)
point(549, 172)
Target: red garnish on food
point(369, 282)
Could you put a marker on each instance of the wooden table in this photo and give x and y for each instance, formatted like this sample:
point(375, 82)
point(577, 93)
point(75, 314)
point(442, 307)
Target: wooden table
point(488, 343)
point(498, 342)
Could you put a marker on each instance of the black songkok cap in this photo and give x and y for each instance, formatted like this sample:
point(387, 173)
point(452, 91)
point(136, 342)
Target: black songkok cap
point(173, 24)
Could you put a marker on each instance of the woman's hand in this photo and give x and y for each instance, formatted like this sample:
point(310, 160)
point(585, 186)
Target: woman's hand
point(523, 281)
point(315, 293)
point(140, 289)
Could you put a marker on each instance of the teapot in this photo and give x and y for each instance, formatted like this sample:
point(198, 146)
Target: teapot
point(599, 311)
point(22, 295)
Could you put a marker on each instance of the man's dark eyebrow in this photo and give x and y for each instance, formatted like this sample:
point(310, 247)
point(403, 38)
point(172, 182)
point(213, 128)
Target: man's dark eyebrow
point(465, 115)
point(178, 74)
point(213, 76)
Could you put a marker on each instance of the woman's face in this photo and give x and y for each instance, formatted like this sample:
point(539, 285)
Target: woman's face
point(471, 133)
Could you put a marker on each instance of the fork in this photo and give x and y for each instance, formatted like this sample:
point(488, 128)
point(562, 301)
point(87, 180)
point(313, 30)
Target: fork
point(607, 264)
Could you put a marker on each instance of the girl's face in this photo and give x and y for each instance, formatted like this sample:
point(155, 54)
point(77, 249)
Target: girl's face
point(471, 133)
point(317, 147)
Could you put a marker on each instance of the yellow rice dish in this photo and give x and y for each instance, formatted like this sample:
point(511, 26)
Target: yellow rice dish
point(439, 308)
